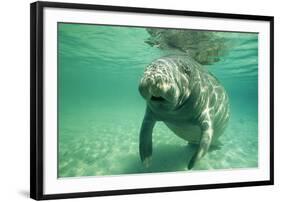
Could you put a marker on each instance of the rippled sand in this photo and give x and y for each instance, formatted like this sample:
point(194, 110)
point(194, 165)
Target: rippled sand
point(109, 146)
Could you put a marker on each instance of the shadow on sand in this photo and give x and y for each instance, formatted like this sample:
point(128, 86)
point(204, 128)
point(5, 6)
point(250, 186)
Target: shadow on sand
point(165, 158)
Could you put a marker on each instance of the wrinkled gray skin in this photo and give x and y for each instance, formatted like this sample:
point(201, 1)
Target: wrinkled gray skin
point(188, 99)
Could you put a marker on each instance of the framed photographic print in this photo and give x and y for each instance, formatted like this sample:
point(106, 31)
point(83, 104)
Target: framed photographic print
point(136, 100)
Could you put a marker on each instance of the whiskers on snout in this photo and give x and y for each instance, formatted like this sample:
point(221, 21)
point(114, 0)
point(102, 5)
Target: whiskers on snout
point(151, 90)
point(164, 84)
point(157, 90)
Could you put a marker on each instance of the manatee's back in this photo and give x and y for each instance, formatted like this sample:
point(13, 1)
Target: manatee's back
point(211, 96)
point(207, 94)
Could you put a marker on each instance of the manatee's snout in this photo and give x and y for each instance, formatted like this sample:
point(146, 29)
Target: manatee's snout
point(155, 88)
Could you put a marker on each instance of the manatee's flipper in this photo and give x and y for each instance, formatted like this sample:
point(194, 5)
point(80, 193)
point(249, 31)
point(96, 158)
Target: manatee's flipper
point(204, 144)
point(145, 142)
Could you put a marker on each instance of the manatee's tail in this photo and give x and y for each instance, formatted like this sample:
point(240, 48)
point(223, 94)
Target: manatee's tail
point(205, 47)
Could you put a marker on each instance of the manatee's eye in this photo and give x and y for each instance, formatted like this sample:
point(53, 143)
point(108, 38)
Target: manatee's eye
point(186, 70)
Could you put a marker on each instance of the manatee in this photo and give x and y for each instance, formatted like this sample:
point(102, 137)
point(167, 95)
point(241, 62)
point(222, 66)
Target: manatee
point(188, 99)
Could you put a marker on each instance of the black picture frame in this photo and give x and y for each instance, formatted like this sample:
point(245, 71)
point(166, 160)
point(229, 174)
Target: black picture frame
point(37, 99)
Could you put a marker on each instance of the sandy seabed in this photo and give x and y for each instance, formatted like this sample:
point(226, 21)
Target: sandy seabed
point(108, 145)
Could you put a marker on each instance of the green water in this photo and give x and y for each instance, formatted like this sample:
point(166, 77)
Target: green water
point(101, 110)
